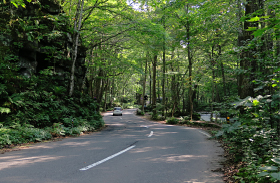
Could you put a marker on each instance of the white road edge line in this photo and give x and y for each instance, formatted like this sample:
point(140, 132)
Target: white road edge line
point(106, 159)
point(151, 134)
point(204, 133)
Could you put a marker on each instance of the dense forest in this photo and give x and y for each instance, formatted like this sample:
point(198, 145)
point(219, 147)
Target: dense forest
point(64, 62)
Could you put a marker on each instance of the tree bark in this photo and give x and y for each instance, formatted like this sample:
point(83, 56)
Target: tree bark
point(190, 64)
point(247, 61)
point(154, 84)
point(151, 95)
point(106, 93)
point(144, 82)
point(77, 28)
point(223, 72)
point(213, 83)
point(163, 84)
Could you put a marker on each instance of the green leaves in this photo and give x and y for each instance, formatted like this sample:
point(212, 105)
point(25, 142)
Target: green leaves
point(251, 29)
point(275, 175)
point(5, 110)
point(17, 3)
point(269, 168)
point(276, 160)
point(254, 19)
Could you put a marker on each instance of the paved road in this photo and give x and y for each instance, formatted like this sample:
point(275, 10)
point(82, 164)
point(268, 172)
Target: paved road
point(129, 150)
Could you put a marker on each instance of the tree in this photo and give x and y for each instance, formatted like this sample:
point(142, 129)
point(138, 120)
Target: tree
point(77, 28)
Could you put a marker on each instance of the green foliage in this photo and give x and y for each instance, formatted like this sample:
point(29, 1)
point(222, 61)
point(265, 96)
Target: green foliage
point(37, 109)
point(253, 140)
point(139, 112)
point(17, 134)
point(172, 121)
point(196, 116)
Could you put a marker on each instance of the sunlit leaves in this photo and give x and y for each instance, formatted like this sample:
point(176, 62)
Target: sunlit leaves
point(254, 19)
point(4, 110)
point(18, 3)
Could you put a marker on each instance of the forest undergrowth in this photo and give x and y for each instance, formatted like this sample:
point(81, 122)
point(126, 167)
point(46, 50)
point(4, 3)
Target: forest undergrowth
point(37, 109)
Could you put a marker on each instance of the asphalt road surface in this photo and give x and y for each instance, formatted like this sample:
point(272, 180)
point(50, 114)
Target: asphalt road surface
point(129, 150)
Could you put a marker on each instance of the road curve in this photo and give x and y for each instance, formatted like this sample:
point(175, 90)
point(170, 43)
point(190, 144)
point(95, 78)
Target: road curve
point(129, 150)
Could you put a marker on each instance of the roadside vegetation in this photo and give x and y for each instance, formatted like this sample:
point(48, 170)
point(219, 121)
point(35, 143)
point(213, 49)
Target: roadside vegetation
point(64, 62)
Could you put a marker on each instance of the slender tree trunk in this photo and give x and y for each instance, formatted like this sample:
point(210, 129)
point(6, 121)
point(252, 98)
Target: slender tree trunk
point(79, 15)
point(223, 72)
point(151, 95)
point(154, 85)
point(88, 70)
point(173, 92)
point(113, 90)
point(144, 83)
point(213, 83)
point(98, 84)
point(106, 94)
point(163, 72)
point(184, 101)
point(190, 64)
point(239, 42)
point(158, 89)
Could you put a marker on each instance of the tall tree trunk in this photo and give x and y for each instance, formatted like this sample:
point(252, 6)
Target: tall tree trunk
point(154, 84)
point(106, 93)
point(144, 82)
point(247, 61)
point(163, 71)
point(213, 83)
point(77, 29)
point(158, 88)
point(86, 77)
point(173, 92)
point(113, 90)
point(239, 41)
point(151, 95)
point(98, 84)
point(190, 63)
point(223, 72)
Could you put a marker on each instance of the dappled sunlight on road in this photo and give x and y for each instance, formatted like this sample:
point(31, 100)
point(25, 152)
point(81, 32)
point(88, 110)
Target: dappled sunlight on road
point(127, 112)
point(146, 149)
point(171, 158)
point(117, 124)
point(17, 161)
point(77, 144)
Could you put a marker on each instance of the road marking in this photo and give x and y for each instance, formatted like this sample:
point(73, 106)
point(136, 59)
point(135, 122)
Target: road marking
point(204, 133)
point(144, 126)
point(106, 159)
point(151, 134)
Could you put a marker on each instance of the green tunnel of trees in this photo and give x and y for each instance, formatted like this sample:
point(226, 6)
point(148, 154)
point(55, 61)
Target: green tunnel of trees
point(65, 60)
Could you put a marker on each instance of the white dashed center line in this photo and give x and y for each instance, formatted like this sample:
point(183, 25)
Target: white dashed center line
point(151, 134)
point(106, 159)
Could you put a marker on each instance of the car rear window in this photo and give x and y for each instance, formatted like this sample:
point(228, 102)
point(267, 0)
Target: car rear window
point(117, 108)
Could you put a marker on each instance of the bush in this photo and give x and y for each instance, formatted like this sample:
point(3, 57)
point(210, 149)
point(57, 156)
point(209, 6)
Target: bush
point(149, 108)
point(22, 134)
point(187, 118)
point(196, 116)
point(154, 117)
point(161, 118)
point(140, 112)
point(172, 121)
